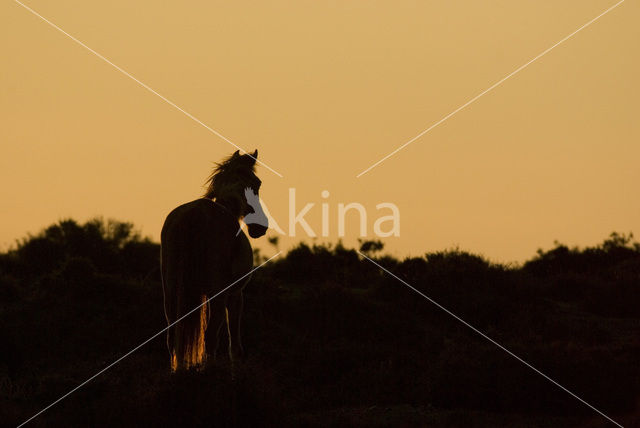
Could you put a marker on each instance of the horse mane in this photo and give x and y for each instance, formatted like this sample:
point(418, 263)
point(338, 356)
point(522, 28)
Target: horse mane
point(225, 173)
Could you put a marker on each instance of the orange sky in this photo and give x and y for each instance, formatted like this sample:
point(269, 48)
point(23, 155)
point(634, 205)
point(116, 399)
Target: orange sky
point(323, 90)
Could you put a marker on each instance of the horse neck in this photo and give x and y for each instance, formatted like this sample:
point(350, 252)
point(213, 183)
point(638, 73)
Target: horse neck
point(232, 204)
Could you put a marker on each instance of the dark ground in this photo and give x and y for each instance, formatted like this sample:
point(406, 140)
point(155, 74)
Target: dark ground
point(330, 340)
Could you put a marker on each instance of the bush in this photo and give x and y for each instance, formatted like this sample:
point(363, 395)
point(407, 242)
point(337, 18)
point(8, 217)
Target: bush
point(329, 337)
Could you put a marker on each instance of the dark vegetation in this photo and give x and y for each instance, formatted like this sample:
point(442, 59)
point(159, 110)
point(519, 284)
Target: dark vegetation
point(331, 340)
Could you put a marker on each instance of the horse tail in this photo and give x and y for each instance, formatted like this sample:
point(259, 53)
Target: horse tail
point(189, 345)
point(188, 339)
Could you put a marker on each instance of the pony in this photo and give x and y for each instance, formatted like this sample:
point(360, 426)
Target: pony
point(203, 251)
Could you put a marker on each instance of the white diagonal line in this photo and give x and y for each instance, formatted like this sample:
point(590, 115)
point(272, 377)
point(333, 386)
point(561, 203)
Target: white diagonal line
point(489, 339)
point(488, 89)
point(168, 101)
point(149, 340)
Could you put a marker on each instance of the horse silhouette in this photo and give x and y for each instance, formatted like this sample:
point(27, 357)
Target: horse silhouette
point(203, 250)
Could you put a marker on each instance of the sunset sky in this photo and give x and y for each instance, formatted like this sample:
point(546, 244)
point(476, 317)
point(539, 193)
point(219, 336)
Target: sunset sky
point(323, 90)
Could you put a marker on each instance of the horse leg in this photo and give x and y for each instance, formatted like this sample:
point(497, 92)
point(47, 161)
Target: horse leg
point(178, 336)
point(234, 316)
point(170, 317)
point(170, 308)
point(171, 337)
point(217, 315)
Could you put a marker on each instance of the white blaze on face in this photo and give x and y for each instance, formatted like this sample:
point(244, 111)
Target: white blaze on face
point(257, 216)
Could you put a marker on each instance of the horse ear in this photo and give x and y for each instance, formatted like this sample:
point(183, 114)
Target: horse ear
point(255, 154)
point(236, 154)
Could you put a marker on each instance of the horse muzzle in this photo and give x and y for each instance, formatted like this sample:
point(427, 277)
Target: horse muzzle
point(256, 230)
